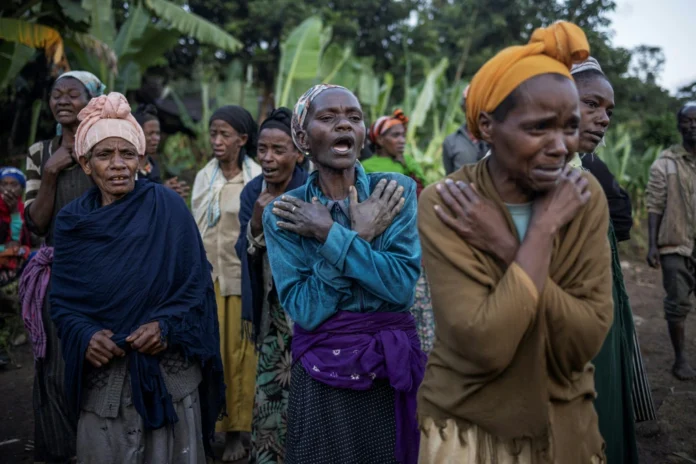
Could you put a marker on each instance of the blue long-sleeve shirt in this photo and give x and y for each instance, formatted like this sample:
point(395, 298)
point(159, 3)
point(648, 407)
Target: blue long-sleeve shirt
point(315, 280)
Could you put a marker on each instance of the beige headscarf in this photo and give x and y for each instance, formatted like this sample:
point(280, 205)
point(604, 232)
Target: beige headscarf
point(107, 116)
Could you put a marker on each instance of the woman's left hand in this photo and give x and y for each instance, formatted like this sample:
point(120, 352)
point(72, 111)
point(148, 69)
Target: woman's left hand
point(476, 220)
point(147, 339)
point(306, 219)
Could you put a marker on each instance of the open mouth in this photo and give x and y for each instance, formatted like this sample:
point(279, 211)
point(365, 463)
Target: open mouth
point(343, 145)
point(118, 179)
point(64, 113)
point(269, 171)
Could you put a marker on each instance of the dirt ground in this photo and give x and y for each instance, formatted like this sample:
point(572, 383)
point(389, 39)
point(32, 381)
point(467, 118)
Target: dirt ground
point(671, 439)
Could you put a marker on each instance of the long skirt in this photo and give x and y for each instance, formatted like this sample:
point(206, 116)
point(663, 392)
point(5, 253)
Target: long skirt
point(422, 312)
point(328, 425)
point(239, 363)
point(55, 424)
point(614, 375)
point(269, 425)
point(125, 439)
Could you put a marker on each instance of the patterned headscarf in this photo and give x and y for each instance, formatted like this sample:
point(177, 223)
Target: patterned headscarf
point(95, 87)
point(590, 64)
point(383, 124)
point(302, 108)
point(104, 117)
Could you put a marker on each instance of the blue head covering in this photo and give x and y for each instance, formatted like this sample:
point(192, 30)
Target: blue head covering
point(14, 173)
point(93, 85)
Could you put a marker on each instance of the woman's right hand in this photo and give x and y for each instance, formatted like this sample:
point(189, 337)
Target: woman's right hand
point(61, 159)
point(559, 205)
point(102, 349)
point(257, 215)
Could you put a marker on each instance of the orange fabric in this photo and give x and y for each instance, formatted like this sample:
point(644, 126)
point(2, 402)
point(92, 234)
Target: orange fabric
point(383, 124)
point(551, 50)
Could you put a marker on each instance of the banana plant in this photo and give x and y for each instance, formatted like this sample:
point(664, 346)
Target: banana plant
point(31, 35)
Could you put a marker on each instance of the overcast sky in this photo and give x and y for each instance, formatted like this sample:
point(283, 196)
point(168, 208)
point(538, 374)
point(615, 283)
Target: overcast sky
point(670, 24)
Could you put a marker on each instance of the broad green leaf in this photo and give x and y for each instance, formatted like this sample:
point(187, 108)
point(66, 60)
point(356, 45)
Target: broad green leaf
point(35, 115)
point(368, 90)
point(13, 58)
point(73, 10)
point(385, 94)
point(425, 99)
point(151, 45)
point(83, 59)
point(129, 77)
point(193, 25)
point(333, 60)
point(300, 55)
point(455, 101)
point(102, 23)
point(134, 27)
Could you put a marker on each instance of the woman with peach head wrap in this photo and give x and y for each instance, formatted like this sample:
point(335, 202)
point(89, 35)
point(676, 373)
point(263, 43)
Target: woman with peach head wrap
point(134, 305)
point(518, 261)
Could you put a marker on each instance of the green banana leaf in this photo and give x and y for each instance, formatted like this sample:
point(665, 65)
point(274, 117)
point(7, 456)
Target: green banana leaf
point(133, 27)
point(299, 60)
point(193, 25)
point(425, 99)
point(13, 57)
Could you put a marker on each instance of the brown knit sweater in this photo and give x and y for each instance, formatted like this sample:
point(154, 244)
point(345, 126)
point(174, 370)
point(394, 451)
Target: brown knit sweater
point(511, 361)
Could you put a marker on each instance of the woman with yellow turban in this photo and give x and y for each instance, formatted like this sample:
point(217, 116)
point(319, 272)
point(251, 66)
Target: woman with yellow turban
point(518, 260)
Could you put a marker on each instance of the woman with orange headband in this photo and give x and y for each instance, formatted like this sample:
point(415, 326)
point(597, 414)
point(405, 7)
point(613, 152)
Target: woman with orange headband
point(519, 266)
point(387, 137)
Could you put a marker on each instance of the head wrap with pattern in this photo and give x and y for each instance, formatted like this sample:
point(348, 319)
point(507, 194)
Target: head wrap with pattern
point(104, 117)
point(95, 87)
point(299, 115)
point(383, 124)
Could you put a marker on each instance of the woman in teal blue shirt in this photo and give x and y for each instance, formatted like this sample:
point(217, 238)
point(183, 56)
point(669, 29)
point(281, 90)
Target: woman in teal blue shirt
point(345, 257)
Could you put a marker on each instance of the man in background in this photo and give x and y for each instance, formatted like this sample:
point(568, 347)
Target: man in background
point(672, 230)
point(461, 147)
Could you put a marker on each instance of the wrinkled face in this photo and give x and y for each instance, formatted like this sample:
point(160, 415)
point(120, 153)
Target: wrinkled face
point(277, 155)
point(226, 141)
point(596, 107)
point(393, 142)
point(539, 134)
point(68, 97)
point(334, 132)
point(11, 191)
point(152, 136)
point(112, 166)
point(687, 125)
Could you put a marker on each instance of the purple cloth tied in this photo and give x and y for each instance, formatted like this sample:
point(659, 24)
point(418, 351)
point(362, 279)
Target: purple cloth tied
point(32, 292)
point(351, 350)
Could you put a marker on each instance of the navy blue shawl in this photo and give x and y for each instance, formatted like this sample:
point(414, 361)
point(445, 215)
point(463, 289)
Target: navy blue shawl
point(252, 269)
point(138, 260)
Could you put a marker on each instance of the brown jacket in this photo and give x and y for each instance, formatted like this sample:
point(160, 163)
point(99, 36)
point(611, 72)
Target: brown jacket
point(671, 193)
point(512, 361)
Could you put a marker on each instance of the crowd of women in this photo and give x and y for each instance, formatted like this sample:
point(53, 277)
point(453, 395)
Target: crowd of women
point(292, 310)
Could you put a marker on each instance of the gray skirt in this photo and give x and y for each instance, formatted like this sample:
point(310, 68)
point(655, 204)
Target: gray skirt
point(125, 439)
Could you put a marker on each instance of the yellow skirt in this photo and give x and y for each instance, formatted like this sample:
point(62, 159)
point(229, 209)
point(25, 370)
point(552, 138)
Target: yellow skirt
point(239, 362)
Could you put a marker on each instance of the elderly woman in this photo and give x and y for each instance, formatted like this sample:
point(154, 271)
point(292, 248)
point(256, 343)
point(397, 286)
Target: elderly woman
point(519, 266)
point(150, 168)
point(619, 374)
point(387, 137)
point(345, 258)
point(272, 330)
point(15, 238)
point(134, 305)
point(54, 179)
point(216, 207)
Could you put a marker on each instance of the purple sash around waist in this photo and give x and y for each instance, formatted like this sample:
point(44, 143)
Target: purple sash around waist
point(351, 350)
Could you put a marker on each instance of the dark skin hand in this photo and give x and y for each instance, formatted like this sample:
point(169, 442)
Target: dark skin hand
point(306, 219)
point(372, 217)
point(653, 231)
point(257, 216)
point(102, 349)
point(147, 339)
point(476, 220)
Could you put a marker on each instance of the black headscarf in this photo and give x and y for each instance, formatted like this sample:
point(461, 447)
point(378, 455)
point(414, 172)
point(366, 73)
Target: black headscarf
point(145, 113)
point(242, 121)
point(279, 118)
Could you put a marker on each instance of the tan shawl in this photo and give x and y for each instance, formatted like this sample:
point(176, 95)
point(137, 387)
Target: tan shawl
point(511, 361)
